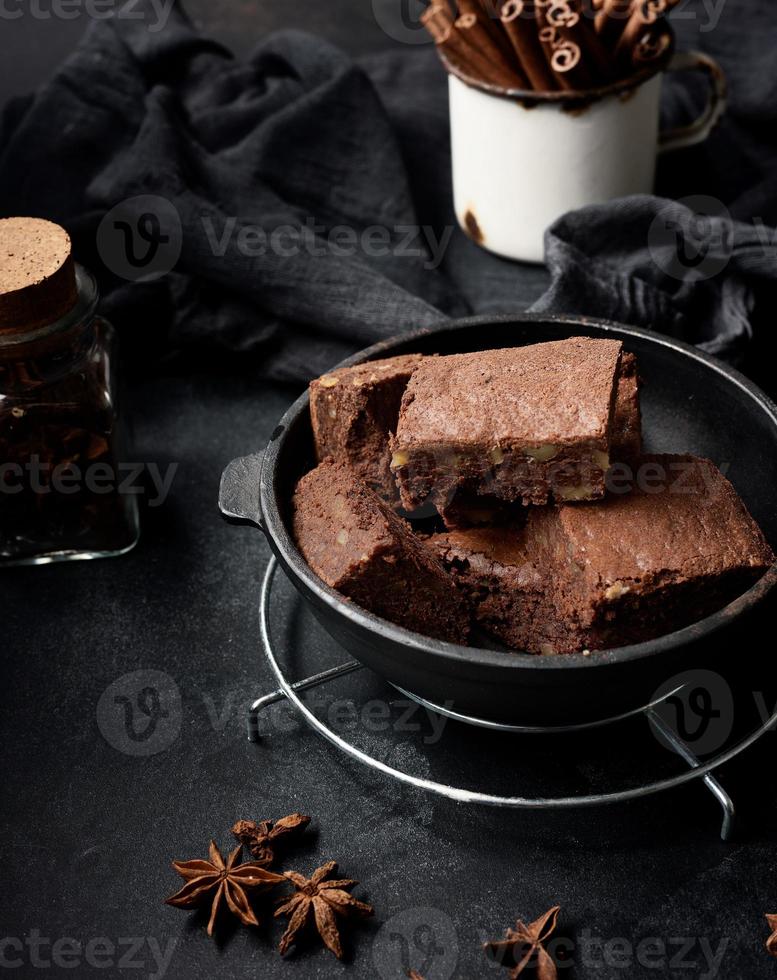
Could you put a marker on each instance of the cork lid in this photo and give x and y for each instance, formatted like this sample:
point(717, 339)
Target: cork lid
point(37, 274)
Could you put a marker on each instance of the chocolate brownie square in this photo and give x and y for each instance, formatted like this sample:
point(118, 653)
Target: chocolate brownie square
point(356, 544)
point(673, 545)
point(526, 424)
point(669, 546)
point(467, 508)
point(354, 409)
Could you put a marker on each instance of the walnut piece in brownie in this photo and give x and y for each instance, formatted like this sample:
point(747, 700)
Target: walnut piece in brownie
point(354, 409)
point(674, 546)
point(526, 424)
point(356, 543)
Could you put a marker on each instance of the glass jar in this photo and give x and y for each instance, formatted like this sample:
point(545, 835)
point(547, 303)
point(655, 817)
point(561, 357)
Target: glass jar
point(61, 493)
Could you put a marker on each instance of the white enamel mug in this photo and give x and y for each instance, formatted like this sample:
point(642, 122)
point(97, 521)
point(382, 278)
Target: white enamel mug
point(521, 159)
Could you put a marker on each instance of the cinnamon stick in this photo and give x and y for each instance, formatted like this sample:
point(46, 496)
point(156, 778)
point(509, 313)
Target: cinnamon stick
point(564, 59)
point(572, 46)
point(652, 46)
point(491, 8)
point(611, 20)
point(466, 46)
point(549, 45)
point(495, 68)
point(583, 33)
point(487, 24)
point(520, 25)
point(438, 20)
point(458, 50)
point(645, 14)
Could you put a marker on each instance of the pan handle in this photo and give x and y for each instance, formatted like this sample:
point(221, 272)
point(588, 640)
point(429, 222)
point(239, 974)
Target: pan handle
point(239, 491)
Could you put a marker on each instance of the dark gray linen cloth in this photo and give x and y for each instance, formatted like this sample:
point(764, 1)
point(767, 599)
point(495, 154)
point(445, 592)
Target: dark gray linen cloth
point(294, 207)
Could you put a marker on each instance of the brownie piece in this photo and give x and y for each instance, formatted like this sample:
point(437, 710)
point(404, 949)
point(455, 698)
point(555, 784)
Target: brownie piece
point(627, 421)
point(353, 410)
point(673, 546)
point(467, 508)
point(510, 595)
point(521, 424)
point(678, 546)
point(356, 543)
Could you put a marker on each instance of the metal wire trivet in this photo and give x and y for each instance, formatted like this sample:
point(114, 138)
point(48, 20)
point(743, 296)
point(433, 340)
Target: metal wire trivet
point(696, 768)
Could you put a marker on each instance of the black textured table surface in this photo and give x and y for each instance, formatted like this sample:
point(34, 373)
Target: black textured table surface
point(91, 819)
point(96, 803)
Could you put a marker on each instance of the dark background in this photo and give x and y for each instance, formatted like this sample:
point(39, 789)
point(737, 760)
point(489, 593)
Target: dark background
point(33, 47)
point(89, 830)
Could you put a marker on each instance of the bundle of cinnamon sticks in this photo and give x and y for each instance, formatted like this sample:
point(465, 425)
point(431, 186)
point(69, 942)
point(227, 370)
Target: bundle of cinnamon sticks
point(549, 45)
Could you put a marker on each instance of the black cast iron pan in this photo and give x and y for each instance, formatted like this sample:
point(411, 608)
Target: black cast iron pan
point(691, 403)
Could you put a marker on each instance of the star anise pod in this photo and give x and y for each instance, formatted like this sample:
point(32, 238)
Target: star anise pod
point(220, 881)
point(264, 837)
point(523, 945)
point(771, 942)
point(323, 902)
